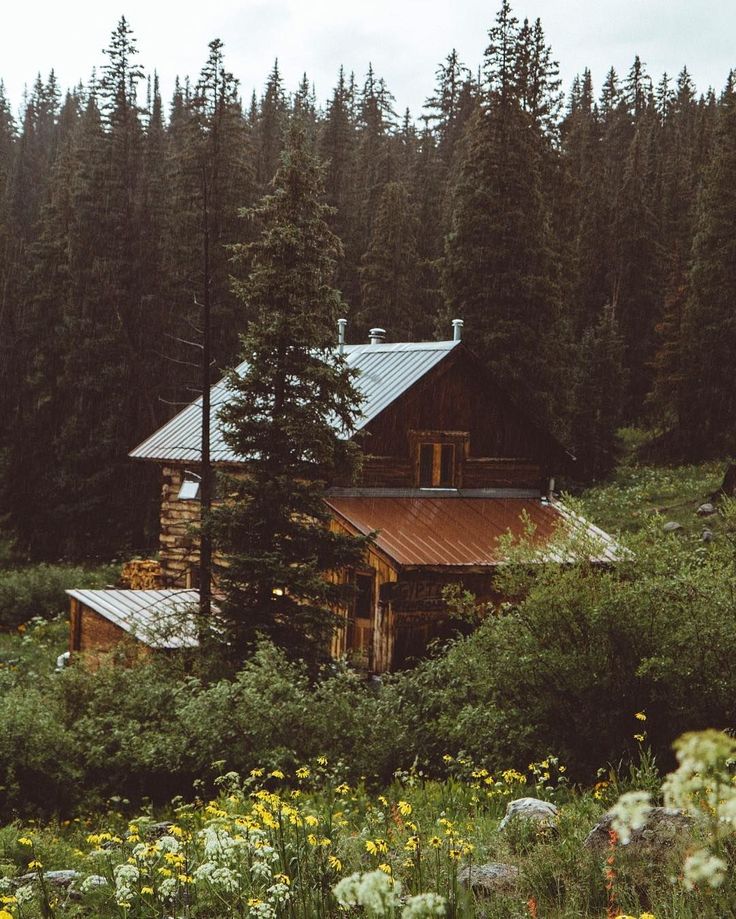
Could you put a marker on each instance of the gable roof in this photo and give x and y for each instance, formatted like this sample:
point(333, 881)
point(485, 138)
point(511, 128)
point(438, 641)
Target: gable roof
point(386, 371)
point(158, 618)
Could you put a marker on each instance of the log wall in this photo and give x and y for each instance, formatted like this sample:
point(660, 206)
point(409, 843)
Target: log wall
point(96, 638)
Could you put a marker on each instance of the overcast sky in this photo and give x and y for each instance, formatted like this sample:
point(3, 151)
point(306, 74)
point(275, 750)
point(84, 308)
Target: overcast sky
point(405, 39)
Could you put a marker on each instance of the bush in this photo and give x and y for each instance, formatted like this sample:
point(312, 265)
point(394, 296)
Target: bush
point(38, 590)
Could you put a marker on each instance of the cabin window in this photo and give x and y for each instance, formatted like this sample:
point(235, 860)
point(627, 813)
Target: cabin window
point(436, 465)
point(363, 602)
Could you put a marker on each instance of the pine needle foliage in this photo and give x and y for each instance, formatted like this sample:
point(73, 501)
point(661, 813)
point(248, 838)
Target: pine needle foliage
point(291, 411)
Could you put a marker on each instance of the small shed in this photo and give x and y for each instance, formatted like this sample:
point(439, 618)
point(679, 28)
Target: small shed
point(100, 620)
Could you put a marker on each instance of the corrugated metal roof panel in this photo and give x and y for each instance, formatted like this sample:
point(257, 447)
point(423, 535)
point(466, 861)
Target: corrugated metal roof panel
point(463, 531)
point(158, 618)
point(385, 372)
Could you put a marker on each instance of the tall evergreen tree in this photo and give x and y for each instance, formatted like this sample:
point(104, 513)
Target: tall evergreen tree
point(289, 412)
point(390, 268)
point(708, 424)
point(500, 268)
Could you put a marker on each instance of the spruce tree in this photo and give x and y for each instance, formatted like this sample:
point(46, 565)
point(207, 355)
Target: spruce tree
point(709, 412)
point(289, 412)
point(501, 270)
point(390, 268)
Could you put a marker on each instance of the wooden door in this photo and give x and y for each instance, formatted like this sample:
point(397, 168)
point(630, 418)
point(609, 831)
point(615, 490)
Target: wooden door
point(361, 621)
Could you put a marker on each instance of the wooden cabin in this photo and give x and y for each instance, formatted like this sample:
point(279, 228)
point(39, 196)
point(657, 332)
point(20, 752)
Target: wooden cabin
point(450, 464)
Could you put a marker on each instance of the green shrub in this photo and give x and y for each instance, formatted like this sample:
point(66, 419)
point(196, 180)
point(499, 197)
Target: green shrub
point(38, 590)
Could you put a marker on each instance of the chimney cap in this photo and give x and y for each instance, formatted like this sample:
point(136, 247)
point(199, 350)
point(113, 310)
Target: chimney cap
point(377, 335)
point(457, 329)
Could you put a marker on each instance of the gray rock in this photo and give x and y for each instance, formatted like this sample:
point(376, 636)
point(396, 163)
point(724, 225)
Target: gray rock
point(665, 828)
point(62, 878)
point(530, 809)
point(705, 510)
point(672, 526)
point(485, 880)
point(707, 536)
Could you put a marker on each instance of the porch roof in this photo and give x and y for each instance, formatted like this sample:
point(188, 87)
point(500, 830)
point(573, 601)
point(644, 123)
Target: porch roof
point(452, 529)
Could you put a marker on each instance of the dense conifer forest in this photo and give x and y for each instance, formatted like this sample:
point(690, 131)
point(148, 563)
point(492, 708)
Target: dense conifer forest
point(585, 236)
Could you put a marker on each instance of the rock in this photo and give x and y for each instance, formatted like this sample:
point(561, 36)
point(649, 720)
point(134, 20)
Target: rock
point(62, 878)
point(530, 809)
point(665, 827)
point(707, 536)
point(485, 880)
point(705, 510)
point(672, 526)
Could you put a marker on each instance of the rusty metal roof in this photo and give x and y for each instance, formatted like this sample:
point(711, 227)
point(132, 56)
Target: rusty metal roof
point(454, 530)
point(385, 372)
point(158, 618)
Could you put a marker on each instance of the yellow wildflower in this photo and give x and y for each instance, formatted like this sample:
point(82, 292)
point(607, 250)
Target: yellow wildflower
point(147, 891)
point(334, 862)
point(641, 716)
point(374, 846)
point(310, 820)
point(35, 864)
point(256, 773)
point(387, 869)
point(343, 789)
point(640, 737)
point(25, 841)
point(404, 808)
point(277, 774)
point(302, 772)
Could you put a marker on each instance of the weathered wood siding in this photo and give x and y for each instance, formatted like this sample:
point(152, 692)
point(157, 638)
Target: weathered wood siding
point(505, 449)
point(96, 637)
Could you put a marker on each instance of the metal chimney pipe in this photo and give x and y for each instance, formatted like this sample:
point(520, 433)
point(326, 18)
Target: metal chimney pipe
point(377, 336)
point(457, 329)
point(341, 325)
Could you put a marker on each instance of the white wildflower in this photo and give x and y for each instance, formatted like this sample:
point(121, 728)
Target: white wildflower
point(630, 813)
point(168, 844)
point(25, 893)
point(91, 882)
point(703, 867)
point(167, 888)
point(375, 891)
point(424, 906)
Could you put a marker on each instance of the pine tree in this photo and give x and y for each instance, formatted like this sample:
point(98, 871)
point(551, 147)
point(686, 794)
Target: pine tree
point(501, 272)
point(710, 321)
point(271, 125)
point(390, 268)
point(288, 410)
point(598, 390)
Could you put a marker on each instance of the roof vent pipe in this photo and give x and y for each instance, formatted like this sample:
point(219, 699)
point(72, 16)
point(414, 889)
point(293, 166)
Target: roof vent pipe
point(377, 336)
point(457, 329)
point(341, 325)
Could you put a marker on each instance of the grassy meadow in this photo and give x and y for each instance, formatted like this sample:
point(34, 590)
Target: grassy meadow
point(289, 800)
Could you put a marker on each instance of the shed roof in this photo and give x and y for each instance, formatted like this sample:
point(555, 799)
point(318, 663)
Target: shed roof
point(453, 529)
point(158, 618)
point(385, 372)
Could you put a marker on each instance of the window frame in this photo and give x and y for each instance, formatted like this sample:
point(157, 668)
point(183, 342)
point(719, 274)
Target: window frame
point(438, 441)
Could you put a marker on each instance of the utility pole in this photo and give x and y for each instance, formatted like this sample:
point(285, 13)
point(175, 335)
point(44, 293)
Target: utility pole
point(205, 488)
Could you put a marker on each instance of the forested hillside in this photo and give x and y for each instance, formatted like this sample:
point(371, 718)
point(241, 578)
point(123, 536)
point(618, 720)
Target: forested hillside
point(586, 238)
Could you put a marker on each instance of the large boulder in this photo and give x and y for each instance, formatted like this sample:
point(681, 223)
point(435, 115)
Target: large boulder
point(534, 809)
point(664, 829)
point(486, 880)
